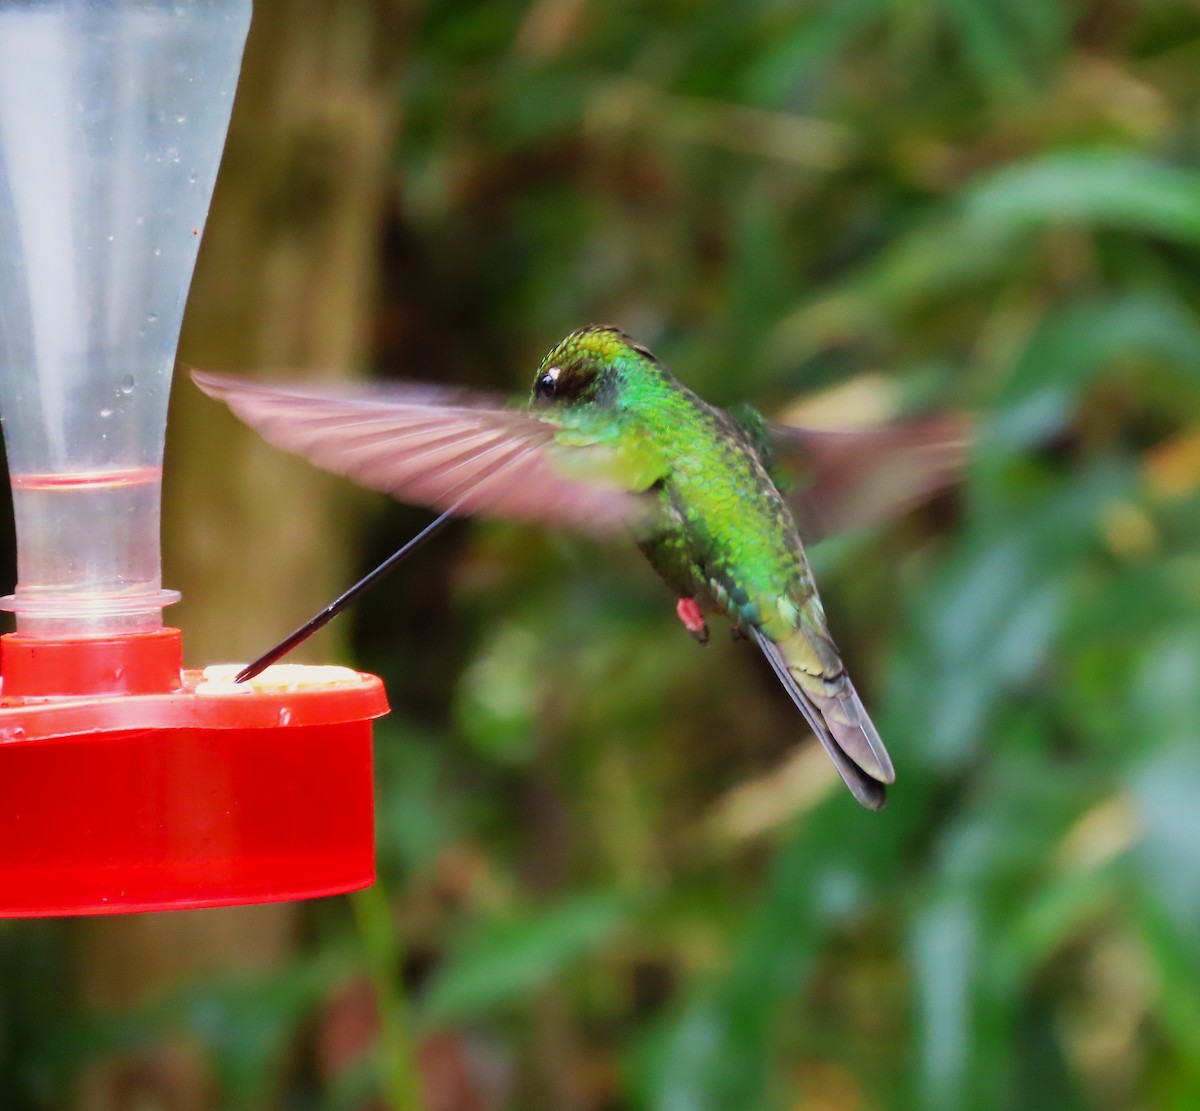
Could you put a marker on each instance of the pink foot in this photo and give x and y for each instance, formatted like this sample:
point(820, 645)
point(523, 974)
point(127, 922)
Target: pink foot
point(692, 618)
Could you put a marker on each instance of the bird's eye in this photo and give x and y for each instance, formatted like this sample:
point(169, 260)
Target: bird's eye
point(547, 384)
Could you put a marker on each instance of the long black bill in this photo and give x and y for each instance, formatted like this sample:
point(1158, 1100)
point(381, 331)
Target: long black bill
point(338, 604)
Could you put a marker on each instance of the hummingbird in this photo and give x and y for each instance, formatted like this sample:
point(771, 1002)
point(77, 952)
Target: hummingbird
point(720, 501)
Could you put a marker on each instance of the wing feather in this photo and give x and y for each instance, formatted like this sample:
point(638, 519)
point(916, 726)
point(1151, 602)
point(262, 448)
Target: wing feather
point(444, 449)
point(854, 477)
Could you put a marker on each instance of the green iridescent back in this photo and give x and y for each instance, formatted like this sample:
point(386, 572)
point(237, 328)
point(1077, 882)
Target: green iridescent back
point(727, 537)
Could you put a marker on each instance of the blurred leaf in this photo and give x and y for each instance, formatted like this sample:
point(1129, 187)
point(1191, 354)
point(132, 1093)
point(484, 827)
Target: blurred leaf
point(505, 959)
point(500, 695)
point(1044, 1080)
point(416, 809)
point(243, 1026)
point(1108, 187)
point(984, 31)
point(989, 621)
point(717, 1052)
point(1168, 854)
point(946, 954)
point(1075, 344)
point(815, 40)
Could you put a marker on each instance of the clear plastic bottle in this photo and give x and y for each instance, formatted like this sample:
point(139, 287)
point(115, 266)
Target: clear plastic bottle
point(113, 115)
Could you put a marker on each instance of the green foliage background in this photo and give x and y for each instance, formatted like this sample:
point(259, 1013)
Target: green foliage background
point(608, 881)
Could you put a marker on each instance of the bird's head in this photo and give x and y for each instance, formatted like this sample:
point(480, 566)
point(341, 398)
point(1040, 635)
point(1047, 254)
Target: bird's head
point(587, 368)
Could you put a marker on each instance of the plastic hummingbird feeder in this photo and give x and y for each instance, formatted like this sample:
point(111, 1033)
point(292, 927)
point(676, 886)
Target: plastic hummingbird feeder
point(126, 782)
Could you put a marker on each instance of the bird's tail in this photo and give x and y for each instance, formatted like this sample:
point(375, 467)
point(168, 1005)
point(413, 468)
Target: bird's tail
point(834, 711)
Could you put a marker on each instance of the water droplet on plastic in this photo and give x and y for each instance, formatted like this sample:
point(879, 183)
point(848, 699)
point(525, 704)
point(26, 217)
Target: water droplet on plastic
point(181, 119)
point(192, 177)
point(127, 384)
point(111, 238)
point(105, 413)
point(285, 716)
point(152, 318)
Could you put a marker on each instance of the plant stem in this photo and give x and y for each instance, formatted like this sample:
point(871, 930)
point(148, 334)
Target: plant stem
point(400, 1079)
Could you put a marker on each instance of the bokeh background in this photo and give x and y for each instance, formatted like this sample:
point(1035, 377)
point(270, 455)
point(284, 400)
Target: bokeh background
point(614, 872)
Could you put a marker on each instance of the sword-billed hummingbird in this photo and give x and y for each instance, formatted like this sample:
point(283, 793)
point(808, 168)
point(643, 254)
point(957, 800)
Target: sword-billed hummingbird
point(611, 441)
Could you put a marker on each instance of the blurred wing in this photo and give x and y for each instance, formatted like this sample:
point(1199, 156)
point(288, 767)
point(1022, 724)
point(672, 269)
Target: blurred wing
point(443, 449)
point(849, 478)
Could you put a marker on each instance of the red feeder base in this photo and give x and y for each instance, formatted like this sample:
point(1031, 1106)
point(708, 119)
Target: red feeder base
point(206, 795)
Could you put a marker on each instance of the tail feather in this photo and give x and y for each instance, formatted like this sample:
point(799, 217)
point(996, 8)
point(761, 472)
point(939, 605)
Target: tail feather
point(854, 731)
point(843, 727)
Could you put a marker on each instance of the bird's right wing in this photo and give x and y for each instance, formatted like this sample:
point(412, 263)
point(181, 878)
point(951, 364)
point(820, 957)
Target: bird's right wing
point(452, 451)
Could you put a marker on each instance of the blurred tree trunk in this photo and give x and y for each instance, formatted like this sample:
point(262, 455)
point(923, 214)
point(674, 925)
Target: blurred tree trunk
point(253, 538)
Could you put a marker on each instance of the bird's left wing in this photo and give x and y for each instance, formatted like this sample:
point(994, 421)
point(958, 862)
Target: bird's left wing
point(450, 450)
point(838, 479)
point(854, 477)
